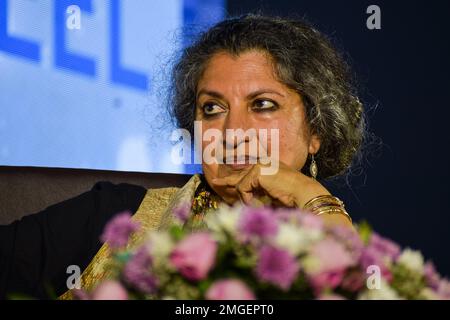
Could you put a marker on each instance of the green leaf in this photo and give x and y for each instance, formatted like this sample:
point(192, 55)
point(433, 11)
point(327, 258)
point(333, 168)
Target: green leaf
point(365, 231)
point(123, 256)
point(176, 232)
point(406, 282)
point(204, 285)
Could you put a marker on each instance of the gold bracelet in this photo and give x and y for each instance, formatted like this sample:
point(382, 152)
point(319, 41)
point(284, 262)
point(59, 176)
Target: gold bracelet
point(323, 205)
point(326, 204)
point(334, 210)
point(323, 199)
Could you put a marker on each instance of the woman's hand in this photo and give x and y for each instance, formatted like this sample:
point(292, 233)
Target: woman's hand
point(288, 187)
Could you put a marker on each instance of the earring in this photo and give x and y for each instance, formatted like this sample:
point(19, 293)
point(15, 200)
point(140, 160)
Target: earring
point(313, 170)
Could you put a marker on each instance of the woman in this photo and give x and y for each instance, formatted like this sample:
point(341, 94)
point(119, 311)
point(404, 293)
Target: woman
point(252, 72)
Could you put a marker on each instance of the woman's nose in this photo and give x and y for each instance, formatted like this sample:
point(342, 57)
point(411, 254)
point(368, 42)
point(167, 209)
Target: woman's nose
point(237, 119)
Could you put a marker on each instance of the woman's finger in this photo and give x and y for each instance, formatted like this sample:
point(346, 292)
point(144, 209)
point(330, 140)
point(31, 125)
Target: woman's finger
point(249, 185)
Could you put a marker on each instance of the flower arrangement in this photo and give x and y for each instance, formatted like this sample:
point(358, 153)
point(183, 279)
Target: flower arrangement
point(249, 253)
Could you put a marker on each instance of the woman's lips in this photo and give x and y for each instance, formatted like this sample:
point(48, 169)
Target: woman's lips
point(236, 166)
point(240, 163)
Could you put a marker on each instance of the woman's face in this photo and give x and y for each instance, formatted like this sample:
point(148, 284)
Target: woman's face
point(242, 92)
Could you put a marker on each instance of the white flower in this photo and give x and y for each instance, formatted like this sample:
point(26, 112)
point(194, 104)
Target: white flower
point(412, 259)
point(295, 239)
point(311, 235)
point(160, 244)
point(225, 219)
point(385, 292)
point(311, 264)
point(429, 294)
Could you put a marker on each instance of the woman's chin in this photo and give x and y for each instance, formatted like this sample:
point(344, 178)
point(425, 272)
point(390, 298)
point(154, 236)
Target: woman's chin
point(228, 195)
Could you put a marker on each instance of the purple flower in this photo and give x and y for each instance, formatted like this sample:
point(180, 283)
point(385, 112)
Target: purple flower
point(372, 257)
point(277, 266)
point(385, 246)
point(182, 212)
point(288, 215)
point(195, 255)
point(380, 252)
point(350, 239)
point(137, 272)
point(431, 276)
point(257, 223)
point(229, 289)
point(118, 230)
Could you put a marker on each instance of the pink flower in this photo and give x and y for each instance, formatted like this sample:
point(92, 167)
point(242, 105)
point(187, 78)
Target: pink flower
point(372, 257)
point(326, 280)
point(277, 266)
point(194, 256)
point(118, 230)
point(229, 289)
point(332, 256)
point(333, 260)
point(110, 290)
point(354, 281)
point(80, 294)
point(349, 239)
point(311, 221)
point(299, 217)
point(443, 289)
point(380, 252)
point(385, 246)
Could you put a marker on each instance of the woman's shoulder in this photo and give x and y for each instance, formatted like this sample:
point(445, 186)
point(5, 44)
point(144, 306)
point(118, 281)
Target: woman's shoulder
point(122, 195)
point(103, 200)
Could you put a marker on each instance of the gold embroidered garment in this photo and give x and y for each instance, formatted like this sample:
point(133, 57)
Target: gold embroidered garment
point(155, 212)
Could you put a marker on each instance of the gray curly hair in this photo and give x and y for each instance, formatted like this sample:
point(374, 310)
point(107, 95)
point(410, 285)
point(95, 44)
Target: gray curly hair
point(305, 60)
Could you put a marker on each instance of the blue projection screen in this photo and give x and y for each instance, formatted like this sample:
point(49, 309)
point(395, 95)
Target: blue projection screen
point(80, 79)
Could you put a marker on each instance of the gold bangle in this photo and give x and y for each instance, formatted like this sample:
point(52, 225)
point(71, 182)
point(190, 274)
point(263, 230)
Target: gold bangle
point(323, 205)
point(326, 204)
point(334, 210)
point(323, 199)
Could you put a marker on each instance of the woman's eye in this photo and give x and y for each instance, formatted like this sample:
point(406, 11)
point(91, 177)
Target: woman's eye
point(265, 105)
point(212, 108)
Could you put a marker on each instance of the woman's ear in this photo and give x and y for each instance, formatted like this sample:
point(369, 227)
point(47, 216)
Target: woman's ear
point(314, 144)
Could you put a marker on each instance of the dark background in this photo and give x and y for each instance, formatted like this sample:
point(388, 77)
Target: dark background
point(403, 70)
